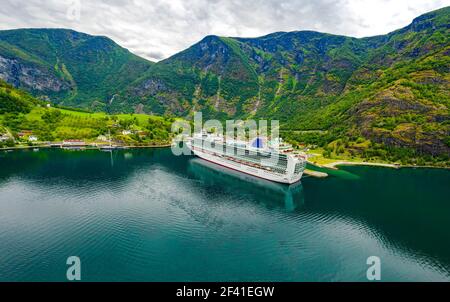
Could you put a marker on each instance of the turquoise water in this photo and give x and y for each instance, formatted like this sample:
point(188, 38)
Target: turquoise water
point(145, 215)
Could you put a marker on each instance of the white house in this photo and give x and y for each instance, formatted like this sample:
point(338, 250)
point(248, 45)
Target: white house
point(73, 143)
point(32, 138)
point(126, 132)
point(102, 138)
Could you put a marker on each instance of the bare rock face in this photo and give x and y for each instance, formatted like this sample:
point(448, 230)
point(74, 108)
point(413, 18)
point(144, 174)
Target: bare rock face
point(151, 87)
point(139, 108)
point(399, 106)
point(410, 136)
point(33, 78)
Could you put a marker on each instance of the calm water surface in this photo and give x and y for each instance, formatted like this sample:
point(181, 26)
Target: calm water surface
point(145, 215)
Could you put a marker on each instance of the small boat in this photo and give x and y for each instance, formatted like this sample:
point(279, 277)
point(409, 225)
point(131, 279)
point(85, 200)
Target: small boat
point(110, 147)
point(74, 148)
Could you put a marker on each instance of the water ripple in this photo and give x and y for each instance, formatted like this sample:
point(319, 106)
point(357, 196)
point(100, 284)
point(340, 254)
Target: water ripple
point(152, 217)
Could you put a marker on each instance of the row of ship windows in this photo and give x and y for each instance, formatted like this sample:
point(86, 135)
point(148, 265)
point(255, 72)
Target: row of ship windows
point(251, 162)
point(239, 151)
point(274, 163)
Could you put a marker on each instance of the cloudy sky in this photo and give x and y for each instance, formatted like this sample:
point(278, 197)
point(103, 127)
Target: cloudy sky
point(157, 29)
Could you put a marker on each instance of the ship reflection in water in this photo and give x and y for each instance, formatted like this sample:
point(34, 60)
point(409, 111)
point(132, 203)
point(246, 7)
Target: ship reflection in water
point(289, 197)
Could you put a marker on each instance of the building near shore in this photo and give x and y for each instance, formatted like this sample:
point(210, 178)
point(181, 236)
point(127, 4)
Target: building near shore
point(102, 138)
point(74, 143)
point(24, 133)
point(4, 138)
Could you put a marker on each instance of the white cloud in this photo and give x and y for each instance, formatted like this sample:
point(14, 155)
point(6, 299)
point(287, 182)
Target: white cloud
point(157, 29)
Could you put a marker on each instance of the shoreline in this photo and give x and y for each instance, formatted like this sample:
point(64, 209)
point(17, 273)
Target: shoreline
point(315, 174)
point(335, 165)
point(84, 148)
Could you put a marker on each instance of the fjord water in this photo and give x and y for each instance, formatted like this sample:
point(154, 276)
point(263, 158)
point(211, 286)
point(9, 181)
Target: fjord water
point(146, 215)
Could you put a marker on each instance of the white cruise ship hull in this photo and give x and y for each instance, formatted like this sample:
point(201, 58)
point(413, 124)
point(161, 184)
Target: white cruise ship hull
point(245, 168)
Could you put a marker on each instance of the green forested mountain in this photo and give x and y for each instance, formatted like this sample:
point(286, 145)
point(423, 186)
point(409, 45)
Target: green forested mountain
point(68, 67)
point(368, 93)
point(386, 96)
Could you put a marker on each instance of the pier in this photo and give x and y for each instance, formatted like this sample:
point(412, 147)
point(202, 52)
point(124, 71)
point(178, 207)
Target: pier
point(316, 174)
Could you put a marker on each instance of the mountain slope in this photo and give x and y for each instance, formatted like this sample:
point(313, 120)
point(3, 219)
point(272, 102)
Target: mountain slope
point(378, 96)
point(67, 67)
point(391, 90)
point(297, 70)
point(214, 76)
point(15, 101)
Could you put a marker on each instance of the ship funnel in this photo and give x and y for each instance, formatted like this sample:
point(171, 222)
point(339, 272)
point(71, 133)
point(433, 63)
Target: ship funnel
point(258, 143)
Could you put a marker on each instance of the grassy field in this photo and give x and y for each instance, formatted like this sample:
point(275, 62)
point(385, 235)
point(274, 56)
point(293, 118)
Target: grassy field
point(54, 124)
point(26, 121)
point(137, 119)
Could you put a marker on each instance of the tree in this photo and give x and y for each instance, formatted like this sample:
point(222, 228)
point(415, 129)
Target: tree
point(10, 143)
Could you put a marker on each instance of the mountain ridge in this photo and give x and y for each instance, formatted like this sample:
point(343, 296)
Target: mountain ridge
point(388, 90)
point(66, 66)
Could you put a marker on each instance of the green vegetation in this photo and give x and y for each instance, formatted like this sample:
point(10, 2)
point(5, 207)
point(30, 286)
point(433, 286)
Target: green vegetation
point(15, 101)
point(70, 68)
point(392, 92)
point(22, 117)
point(383, 98)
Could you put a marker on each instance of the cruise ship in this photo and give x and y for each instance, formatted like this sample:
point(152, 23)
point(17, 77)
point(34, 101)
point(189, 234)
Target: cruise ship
point(271, 160)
